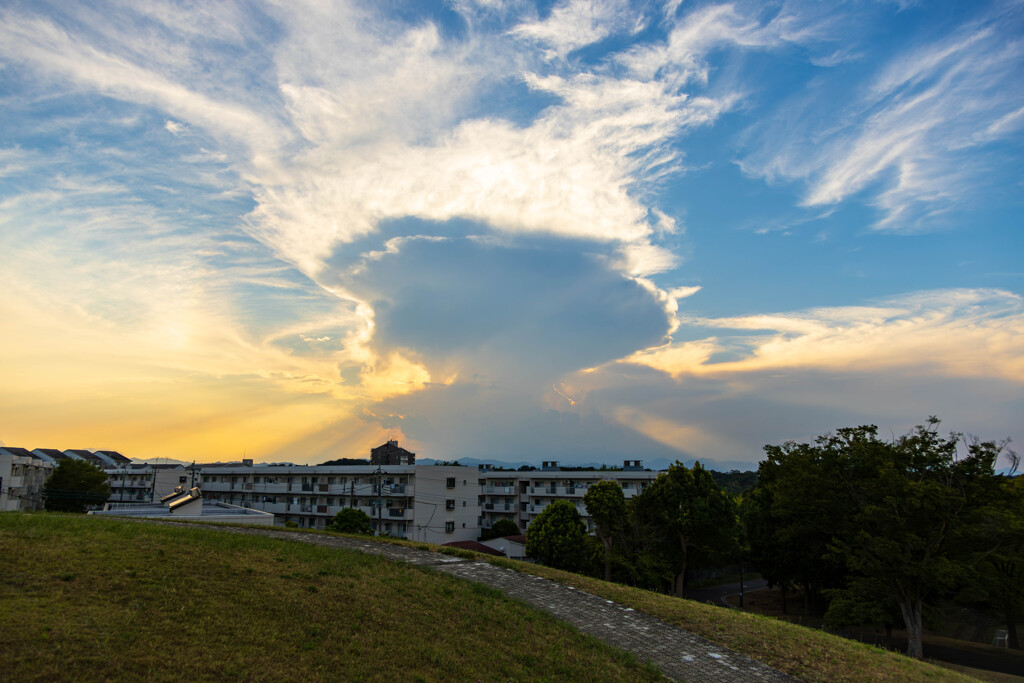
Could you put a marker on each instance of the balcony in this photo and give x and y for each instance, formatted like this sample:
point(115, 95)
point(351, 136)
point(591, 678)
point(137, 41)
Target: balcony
point(307, 488)
point(396, 512)
point(398, 489)
point(488, 506)
point(506, 490)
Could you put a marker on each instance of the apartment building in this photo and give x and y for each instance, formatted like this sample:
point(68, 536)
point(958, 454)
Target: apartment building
point(521, 496)
point(143, 483)
point(22, 475)
point(430, 503)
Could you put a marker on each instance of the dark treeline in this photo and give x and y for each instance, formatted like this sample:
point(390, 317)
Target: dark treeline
point(871, 531)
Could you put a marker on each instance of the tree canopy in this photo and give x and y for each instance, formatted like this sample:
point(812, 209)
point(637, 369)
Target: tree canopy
point(684, 520)
point(500, 529)
point(556, 537)
point(75, 486)
point(351, 521)
point(606, 505)
point(880, 527)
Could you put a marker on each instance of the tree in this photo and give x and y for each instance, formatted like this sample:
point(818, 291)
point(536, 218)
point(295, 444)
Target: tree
point(999, 571)
point(919, 506)
point(351, 521)
point(501, 528)
point(878, 524)
point(75, 486)
point(606, 505)
point(556, 537)
point(685, 521)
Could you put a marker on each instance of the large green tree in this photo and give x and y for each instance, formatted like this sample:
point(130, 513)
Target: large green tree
point(75, 486)
point(606, 505)
point(503, 527)
point(351, 521)
point(878, 523)
point(998, 569)
point(919, 511)
point(557, 536)
point(685, 520)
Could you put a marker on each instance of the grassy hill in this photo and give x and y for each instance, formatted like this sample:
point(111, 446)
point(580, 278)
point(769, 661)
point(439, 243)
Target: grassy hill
point(94, 599)
point(87, 599)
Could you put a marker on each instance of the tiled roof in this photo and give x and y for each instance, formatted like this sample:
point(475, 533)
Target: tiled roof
point(476, 547)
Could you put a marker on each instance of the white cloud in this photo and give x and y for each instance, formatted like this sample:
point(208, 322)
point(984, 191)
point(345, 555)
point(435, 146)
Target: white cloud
point(573, 24)
point(957, 333)
point(904, 140)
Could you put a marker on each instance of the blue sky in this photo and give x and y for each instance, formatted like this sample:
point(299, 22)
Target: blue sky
point(578, 230)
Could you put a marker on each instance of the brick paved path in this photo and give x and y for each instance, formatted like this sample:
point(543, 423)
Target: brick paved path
point(678, 654)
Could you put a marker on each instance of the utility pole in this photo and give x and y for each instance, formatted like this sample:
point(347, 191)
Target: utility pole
point(379, 474)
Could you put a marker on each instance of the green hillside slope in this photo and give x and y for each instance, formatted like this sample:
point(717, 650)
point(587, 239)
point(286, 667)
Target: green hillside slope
point(86, 599)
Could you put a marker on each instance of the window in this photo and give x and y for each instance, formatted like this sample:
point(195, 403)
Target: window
point(451, 482)
point(449, 527)
point(463, 503)
point(449, 504)
point(330, 480)
point(255, 480)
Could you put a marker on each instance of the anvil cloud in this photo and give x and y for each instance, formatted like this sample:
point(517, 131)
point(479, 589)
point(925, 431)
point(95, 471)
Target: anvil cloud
point(588, 230)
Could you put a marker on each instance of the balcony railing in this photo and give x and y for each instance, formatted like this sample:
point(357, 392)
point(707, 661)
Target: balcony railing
point(396, 512)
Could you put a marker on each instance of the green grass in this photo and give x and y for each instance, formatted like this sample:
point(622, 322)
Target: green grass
point(805, 653)
point(90, 599)
point(809, 654)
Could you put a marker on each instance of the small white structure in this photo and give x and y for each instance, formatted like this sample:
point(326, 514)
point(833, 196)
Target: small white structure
point(514, 547)
point(190, 505)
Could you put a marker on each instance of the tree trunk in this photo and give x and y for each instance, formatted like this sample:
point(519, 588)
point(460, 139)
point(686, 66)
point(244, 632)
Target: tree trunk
point(784, 599)
point(681, 576)
point(911, 609)
point(607, 558)
point(679, 582)
point(1011, 626)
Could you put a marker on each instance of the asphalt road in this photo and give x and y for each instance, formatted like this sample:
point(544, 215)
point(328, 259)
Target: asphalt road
point(716, 594)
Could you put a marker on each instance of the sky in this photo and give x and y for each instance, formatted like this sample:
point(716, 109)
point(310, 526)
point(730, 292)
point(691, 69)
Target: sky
point(582, 230)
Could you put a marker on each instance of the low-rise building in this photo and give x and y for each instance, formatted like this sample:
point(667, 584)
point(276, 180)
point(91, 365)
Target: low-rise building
point(430, 503)
point(143, 483)
point(22, 475)
point(521, 496)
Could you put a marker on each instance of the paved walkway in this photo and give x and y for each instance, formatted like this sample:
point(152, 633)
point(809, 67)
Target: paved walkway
point(678, 654)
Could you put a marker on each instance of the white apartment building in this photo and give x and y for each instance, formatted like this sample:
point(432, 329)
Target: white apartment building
point(521, 496)
point(22, 475)
point(430, 503)
point(138, 483)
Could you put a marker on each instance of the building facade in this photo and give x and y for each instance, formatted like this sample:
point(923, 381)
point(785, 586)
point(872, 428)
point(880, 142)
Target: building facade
point(521, 496)
point(430, 503)
point(138, 483)
point(22, 475)
point(390, 453)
